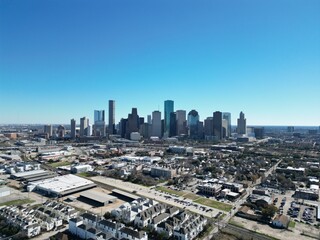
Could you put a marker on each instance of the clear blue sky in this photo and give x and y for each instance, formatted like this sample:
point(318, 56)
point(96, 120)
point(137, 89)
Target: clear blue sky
point(63, 59)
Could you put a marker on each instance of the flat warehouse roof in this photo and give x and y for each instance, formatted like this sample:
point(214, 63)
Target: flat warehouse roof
point(98, 196)
point(28, 173)
point(62, 184)
point(126, 194)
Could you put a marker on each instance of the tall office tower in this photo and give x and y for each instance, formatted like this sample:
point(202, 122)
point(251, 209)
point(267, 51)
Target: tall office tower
point(89, 130)
point(99, 116)
point(173, 125)
point(141, 121)
point(99, 127)
point(259, 132)
point(149, 119)
point(111, 126)
point(133, 123)
point(123, 127)
point(181, 122)
point(61, 131)
point(156, 124)
point(217, 125)
point(208, 126)
point(242, 125)
point(168, 109)
point(193, 121)
point(84, 122)
point(227, 116)
point(48, 130)
point(145, 130)
point(73, 129)
point(224, 128)
point(200, 130)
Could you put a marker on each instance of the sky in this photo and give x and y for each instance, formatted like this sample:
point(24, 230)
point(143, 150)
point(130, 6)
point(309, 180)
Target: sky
point(64, 59)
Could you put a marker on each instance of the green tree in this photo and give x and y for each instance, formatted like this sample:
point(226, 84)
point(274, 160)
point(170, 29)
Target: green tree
point(269, 211)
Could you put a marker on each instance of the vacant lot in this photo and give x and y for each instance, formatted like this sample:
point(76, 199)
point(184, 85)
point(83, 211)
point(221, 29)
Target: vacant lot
point(17, 202)
point(170, 191)
point(214, 204)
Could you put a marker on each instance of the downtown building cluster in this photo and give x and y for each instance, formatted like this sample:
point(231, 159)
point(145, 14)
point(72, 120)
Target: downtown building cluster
point(172, 123)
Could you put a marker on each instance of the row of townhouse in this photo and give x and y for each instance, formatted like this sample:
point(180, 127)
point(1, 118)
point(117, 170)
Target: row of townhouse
point(171, 221)
point(128, 211)
point(66, 212)
point(22, 219)
point(32, 221)
point(154, 215)
point(89, 226)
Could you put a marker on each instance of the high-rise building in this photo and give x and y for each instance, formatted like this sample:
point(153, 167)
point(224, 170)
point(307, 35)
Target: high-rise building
point(123, 127)
point(242, 124)
point(224, 128)
point(208, 126)
point(48, 130)
point(227, 116)
point(149, 119)
point(73, 128)
point(217, 125)
point(193, 121)
point(99, 115)
point(61, 131)
point(168, 109)
point(173, 125)
point(99, 128)
point(181, 122)
point(111, 126)
point(84, 122)
point(133, 123)
point(259, 132)
point(156, 124)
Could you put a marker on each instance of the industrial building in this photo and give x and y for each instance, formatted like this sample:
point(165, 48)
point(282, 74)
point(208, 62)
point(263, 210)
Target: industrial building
point(31, 176)
point(124, 195)
point(61, 185)
point(96, 198)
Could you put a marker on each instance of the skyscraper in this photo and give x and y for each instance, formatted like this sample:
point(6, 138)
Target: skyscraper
point(149, 119)
point(227, 116)
point(168, 109)
point(181, 117)
point(242, 124)
point(73, 128)
point(133, 123)
point(156, 124)
point(173, 125)
point(217, 125)
point(48, 130)
point(111, 126)
point(84, 122)
point(208, 126)
point(193, 121)
point(99, 127)
point(99, 116)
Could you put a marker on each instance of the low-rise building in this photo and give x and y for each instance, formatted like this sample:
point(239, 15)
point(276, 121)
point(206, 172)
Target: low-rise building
point(162, 172)
point(210, 189)
point(280, 221)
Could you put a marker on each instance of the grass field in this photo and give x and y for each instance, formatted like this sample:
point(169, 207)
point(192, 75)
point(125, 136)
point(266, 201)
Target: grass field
point(191, 196)
point(59, 164)
point(17, 202)
point(292, 224)
point(171, 191)
point(214, 204)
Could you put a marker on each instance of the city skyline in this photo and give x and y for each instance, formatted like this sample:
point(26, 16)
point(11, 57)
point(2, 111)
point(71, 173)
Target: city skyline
point(261, 58)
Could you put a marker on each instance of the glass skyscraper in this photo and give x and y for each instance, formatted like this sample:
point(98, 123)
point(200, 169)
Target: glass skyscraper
point(168, 109)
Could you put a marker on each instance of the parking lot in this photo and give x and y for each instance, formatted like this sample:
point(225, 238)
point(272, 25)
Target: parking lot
point(298, 210)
